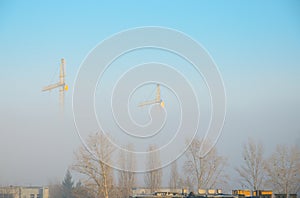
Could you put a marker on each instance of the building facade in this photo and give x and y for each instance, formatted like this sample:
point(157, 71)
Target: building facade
point(24, 192)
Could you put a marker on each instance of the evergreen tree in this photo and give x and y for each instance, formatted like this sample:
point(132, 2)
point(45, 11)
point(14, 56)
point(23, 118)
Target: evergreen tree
point(67, 186)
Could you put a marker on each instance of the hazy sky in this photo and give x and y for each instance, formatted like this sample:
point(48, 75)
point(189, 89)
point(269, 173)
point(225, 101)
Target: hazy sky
point(256, 45)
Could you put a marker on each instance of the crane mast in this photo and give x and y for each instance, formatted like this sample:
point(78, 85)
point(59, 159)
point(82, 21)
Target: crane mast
point(61, 84)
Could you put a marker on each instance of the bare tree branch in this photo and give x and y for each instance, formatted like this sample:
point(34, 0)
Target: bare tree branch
point(283, 170)
point(207, 171)
point(126, 175)
point(252, 171)
point(153, 177)
point(99, 176)
point(174, 176)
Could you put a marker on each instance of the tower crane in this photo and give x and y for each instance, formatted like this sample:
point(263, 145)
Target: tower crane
point(157, 99)
point(61, 84)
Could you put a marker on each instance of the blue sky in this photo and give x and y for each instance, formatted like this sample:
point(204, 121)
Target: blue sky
point(256, 45)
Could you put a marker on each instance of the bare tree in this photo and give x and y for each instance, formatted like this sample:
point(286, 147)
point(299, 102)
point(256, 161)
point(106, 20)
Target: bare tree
point(174, 176)
point(283, 170)
point(206, 171)
point(80, 191)
point(186, 183)
point(153, 177)
point(251, 171)
point(126, 175)
point(55, 189)
point(99, 176)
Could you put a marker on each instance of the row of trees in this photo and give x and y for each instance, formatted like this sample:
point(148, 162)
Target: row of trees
point(280, 172)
